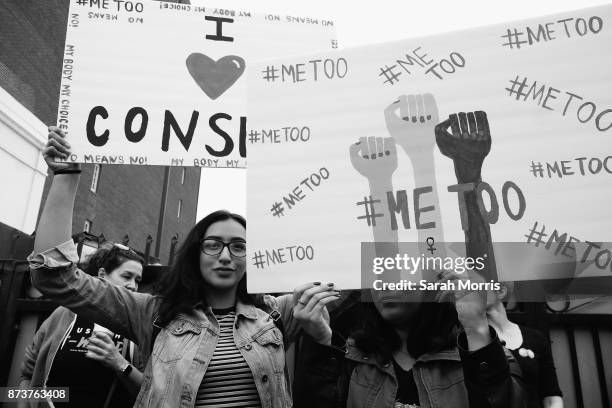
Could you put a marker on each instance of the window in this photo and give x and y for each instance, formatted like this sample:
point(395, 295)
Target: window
point(180, 206)
point(95, 178)
point(87, 226)
point(183, 176)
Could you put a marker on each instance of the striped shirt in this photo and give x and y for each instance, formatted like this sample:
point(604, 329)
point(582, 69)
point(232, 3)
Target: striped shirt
point(228, 381)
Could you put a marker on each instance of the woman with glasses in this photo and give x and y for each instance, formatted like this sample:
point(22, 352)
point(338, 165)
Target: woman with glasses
point(210, 342)
point(71, 350)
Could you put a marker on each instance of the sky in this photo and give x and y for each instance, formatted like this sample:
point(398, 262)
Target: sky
point(361, 23)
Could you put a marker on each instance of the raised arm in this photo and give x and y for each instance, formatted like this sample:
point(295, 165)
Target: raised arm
point(489, 379)
point(53, 262)
point(55, 225)
point(467, 144)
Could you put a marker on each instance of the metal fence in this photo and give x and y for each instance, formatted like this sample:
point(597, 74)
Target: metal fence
point(581, 343)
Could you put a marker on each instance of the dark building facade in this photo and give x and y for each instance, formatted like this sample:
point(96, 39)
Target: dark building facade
point(131, 203)
point(121, 202)
point(31, 51)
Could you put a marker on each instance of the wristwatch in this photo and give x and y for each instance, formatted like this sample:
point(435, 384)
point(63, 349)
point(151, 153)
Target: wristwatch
point(126, 371)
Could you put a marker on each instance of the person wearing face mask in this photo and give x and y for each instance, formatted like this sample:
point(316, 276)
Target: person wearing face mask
point(206, 340)
point(71, 350)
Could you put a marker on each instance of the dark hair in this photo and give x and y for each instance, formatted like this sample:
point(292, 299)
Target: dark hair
point(110, 256)
point(433, 329)
point(183, 286)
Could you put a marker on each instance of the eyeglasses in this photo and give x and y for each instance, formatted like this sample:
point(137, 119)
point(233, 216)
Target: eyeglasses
point(212, 246)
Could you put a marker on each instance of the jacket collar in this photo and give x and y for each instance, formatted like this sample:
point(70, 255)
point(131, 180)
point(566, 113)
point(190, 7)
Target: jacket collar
point(449, 355)
point(355, 354)
point(245, 309)
point(242, 309)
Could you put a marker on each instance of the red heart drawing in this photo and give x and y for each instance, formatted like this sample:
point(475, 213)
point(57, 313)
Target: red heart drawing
point(215, 77)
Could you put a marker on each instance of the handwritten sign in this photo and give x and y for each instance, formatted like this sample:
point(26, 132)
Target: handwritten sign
point(408, 140)
point(156, 83)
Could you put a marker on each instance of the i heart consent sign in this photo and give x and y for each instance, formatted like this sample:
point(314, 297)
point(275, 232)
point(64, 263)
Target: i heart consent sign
point(156, 83)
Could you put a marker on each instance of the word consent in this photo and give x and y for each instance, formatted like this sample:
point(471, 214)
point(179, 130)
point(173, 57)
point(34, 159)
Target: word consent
point(298, 193)
point(418, 59)
point(412, 264)
point(295, 253)
point(567, 28)
point(313, 70)
point(138, 116)
point(554, 99)
point(579, 166)
point(398, 204)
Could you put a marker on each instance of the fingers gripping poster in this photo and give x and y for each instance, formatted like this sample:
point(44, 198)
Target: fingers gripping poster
point(414, 141)
point(156, 83)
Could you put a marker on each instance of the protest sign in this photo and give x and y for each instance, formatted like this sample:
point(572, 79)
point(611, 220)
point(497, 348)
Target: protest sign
point(156, 83)
point(408, 141)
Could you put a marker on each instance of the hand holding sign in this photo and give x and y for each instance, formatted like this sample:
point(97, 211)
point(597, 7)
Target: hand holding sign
point(57, 148)
point(309, 309)
point(470, 303)
point(467, 144)
point(413, 128)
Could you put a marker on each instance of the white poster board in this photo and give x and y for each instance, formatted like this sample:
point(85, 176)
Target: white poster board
point(544, 85)
point(156, 83)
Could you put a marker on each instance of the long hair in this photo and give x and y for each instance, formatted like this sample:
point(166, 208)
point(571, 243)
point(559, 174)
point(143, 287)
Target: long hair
point(433, 329)
point(111, 256)
point(183, 286)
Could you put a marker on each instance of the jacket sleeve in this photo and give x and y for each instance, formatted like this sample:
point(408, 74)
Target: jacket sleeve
point(55, 274)
point(490, 380)
point(323, 375)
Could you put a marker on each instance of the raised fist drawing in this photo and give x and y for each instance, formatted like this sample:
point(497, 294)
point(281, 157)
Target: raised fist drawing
point(413, 126)
point(375, 158)
point(467, 143)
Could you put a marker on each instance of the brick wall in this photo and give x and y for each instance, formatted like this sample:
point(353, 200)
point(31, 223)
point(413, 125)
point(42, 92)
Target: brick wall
point(188, 194)
point(31, 51)
point(128, 201)
point(128, 198)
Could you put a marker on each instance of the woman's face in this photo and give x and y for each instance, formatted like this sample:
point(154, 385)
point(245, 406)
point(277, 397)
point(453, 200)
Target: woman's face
point(223, 271)
point(128, 275)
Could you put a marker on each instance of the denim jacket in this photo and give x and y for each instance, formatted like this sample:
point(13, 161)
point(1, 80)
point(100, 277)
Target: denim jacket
point(349, 378)
point(184, 347)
